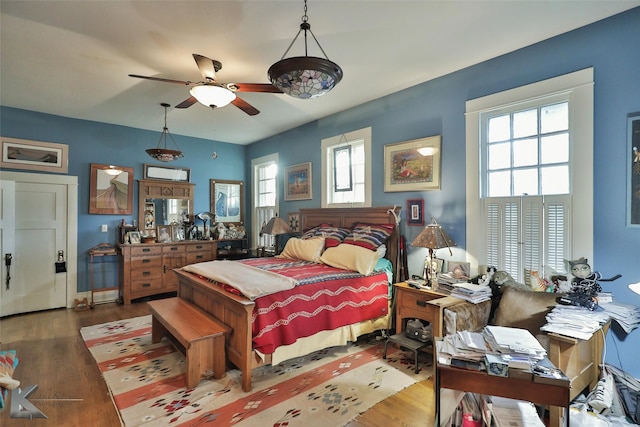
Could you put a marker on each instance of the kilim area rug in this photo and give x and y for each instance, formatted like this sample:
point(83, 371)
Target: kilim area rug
point(326, 388)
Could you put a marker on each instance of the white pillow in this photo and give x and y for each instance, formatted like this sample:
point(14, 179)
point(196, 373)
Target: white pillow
point(307, 250)
point(351, 257)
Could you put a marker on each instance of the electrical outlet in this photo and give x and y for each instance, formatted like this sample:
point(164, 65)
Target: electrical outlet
point(105, 228)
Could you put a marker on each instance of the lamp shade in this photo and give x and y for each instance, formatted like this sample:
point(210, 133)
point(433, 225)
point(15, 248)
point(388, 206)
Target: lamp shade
point(275, 226)
point(212, 95)
point(305, 77)
point(433, 237)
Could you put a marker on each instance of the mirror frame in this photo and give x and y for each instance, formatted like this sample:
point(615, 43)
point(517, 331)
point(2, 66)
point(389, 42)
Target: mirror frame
point(159, 189)
point(218, 185)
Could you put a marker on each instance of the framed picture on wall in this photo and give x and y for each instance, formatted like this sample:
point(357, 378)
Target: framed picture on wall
point(226, 200)
point(412, 165)
point(415, 212)
point(34, 155)
point(111, 190)
point(297, 182)
point(633, 136)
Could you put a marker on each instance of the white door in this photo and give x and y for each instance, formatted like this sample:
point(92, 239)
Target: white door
point(38, 214)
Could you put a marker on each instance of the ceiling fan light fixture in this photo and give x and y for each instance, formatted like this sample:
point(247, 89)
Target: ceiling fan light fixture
point(212, 95)
point(161, 152)
point(305, 77)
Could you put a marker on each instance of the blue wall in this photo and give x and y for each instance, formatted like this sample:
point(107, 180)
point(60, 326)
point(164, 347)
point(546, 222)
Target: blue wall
point(432, 108)
point(437, 107)
point(94, 142)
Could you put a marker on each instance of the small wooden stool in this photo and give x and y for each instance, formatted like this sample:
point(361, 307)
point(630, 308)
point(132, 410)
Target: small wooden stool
point(405, 342)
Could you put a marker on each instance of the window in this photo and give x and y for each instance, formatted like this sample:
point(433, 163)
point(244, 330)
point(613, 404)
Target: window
point(532, 151)
point(346, 169)
point(265, 197)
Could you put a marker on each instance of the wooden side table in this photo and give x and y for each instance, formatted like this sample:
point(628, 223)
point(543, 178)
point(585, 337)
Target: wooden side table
point(427, 305)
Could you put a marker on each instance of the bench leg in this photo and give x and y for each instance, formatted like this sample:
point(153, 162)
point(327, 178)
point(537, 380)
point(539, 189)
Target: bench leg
point(157, 330)
point(204, 356)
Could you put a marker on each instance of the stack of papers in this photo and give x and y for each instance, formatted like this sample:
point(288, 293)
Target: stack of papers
point(574, 321)
point(627, 316)
point(513, 341)
point(470, 292)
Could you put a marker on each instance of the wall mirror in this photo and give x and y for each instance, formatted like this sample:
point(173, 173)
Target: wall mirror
point(164, 203)
point(226, 200)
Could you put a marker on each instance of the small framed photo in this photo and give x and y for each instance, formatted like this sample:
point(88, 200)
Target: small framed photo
point(297, 182)
point(459, 269)
point(133, 237)
point(436, 265)
point(164, 233)
point(177, 233)
point(415, 212)
point(633, 192)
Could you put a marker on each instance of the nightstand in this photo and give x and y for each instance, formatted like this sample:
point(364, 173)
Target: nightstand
point(426, 305)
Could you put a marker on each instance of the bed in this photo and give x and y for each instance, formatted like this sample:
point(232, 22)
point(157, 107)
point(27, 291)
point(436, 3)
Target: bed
point(238, 311)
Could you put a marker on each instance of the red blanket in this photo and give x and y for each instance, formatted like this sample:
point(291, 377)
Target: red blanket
point(325, 298)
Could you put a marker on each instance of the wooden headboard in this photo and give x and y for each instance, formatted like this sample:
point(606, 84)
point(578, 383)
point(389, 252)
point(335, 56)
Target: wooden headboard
point(345, 217)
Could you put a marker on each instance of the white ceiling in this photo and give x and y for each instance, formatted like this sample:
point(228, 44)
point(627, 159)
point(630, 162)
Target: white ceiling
point(72, 58)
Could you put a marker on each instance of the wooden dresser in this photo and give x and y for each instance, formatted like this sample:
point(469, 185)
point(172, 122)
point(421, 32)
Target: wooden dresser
point(147, 269)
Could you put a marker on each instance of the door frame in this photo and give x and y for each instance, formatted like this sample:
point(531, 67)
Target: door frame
point(71, 250)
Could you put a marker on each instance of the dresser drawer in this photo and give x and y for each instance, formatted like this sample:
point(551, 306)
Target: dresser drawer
point(415, 300)
point(146, 284)
point(143, 250)
point(146, 273)
point(199, 247)
point(146, 262)
point(193, 257)
point(173, 249)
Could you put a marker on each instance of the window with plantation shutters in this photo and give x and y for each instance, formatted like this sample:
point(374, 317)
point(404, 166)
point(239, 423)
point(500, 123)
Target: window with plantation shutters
point(527, 232)
point(532, 150)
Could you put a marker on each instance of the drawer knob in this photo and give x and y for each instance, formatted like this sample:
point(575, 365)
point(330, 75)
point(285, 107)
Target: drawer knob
point(146, 249)
point(146, 285)
point(421, 303)
point(144, 261)
point(146, 273)
point(199, 256)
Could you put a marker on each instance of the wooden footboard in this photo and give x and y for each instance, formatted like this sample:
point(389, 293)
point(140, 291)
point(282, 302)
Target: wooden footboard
point(235, 311)
point(232, 310)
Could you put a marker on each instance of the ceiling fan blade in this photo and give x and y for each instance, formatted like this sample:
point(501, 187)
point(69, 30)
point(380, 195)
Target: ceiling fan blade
point(253, 87)
point(159, 79)
point(187, 102)
point(207, 66)
point(245, 106)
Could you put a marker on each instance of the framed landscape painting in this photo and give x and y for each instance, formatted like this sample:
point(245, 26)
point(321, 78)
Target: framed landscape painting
point(298, 182)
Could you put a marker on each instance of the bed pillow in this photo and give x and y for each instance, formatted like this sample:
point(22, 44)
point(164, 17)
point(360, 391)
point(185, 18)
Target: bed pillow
point(306, 250)
point(369, 236)
point(350, 257)
point(333, 236)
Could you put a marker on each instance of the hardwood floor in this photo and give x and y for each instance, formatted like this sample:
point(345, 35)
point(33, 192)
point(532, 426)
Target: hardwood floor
point(71, 391)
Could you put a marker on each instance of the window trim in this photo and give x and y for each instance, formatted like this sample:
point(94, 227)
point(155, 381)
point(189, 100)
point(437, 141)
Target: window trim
point(255, 228)
point(360, 134)
point(579, 87)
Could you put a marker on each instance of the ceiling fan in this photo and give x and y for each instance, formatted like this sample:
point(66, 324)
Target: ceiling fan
point(212, 93)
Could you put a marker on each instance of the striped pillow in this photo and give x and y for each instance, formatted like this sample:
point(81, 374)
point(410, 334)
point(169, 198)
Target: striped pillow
point(370, 236)
point(333, 236)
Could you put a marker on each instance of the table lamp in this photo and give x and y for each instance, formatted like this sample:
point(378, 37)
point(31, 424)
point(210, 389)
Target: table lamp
point(433, 237)
point(275, 227)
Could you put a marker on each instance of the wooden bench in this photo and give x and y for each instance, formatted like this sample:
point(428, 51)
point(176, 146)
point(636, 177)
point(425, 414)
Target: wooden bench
point(202, 336)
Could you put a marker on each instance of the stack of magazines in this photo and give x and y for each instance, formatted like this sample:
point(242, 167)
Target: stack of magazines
point(574, 321)
point(470, 292)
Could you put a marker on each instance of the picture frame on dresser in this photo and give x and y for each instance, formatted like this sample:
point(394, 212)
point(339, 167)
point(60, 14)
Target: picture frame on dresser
point(164, 234)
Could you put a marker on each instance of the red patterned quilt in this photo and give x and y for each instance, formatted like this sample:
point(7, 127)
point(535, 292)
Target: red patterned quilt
point(325, 298)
